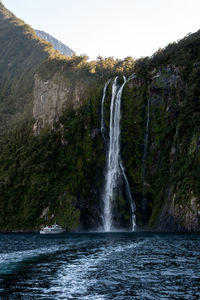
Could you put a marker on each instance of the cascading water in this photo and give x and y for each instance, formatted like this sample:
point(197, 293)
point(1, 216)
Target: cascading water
point(131, 201)
point(144, 157)
point(114, 167)
point(102, 109)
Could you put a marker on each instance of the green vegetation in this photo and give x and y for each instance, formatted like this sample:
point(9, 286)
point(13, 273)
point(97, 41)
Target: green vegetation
point(21, 53)
point(133, 102)
point(173, 167)
point(57, 169)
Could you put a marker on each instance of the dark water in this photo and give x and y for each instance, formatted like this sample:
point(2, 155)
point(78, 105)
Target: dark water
point(100, 266)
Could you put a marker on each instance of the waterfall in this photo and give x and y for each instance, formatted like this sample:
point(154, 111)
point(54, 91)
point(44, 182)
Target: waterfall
point(144, 157)
point(114, 165)
point(102, 109)
point(131, 201)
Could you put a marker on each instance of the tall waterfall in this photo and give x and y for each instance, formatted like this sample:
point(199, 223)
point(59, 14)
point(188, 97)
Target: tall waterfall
point(144, 157)
point(102, 109)
point(114, 165)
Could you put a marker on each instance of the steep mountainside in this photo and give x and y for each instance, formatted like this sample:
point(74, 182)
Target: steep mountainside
point(65, 50)
point(53, 160)
point(169, 81)
point(21, 52)
point(31, 98)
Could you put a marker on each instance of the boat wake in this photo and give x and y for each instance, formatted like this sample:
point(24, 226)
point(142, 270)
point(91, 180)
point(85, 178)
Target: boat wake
point(81, 272)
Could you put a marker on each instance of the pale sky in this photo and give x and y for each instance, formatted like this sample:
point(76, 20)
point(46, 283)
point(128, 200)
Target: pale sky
point(116, 28)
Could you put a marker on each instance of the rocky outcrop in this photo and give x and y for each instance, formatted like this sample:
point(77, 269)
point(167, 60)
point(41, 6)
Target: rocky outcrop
point(173, 153)
point(180, 216)
point(52, 97)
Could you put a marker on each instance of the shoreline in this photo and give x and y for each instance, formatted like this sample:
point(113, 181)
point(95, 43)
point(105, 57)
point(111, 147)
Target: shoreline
point(139, 230)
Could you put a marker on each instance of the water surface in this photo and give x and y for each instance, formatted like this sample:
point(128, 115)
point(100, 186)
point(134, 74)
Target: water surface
point(100, 266)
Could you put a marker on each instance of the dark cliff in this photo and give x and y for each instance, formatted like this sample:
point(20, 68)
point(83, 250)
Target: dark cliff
point(168, 196)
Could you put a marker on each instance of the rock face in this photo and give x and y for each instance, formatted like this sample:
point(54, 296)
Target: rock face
point(168, 199)
point(52, 97)
point(180, 217)
point(173, 151)
point(56, 43)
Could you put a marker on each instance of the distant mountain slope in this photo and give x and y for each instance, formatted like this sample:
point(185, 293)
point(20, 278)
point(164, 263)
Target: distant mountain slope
point(21, 53)
point(56, 43)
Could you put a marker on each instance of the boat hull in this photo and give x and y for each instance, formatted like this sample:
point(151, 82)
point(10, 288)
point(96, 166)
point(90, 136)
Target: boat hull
point(53, 229)
point(42, 232)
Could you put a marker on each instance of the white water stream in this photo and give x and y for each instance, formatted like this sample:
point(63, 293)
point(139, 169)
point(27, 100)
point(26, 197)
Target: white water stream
point(144, 158)
point(102, 109)
point(114, 164)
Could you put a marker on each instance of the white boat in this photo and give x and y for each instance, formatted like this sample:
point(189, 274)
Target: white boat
point(52, 229)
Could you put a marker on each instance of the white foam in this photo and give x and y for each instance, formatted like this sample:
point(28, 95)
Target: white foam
point(74, 280)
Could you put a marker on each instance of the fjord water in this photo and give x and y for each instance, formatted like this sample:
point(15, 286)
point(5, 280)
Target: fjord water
point(114, 167)
point(98, 266)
